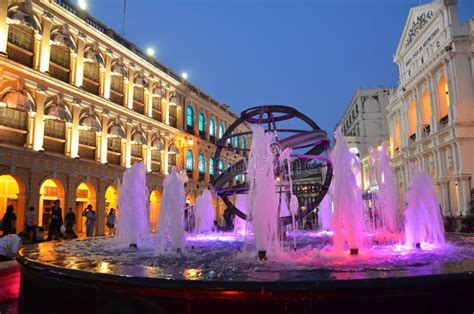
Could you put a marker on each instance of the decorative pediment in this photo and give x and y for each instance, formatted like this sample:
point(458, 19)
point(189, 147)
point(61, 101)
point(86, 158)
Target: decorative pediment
point(418, 20)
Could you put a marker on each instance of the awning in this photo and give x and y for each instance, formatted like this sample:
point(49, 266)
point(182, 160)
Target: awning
point(119, 69)
point(90, 122)
point(21, 15)
point(63, 38)
point(158, 144)
point(18, 101)
point(57, 111)
point(92, 55)
point(138, 138)
point(116, 130)
point(172, 149)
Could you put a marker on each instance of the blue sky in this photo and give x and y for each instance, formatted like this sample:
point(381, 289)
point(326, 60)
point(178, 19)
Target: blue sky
point(309, 54)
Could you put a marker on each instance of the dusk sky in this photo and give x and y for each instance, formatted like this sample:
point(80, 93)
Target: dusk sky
point(311, 54)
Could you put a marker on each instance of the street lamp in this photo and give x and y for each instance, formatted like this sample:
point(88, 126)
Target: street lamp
point(150, 51)
point(184, 75)
point(82, 4)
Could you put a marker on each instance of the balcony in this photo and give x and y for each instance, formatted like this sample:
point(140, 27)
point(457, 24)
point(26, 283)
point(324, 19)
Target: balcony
point(202, 135)
point(20, 55)
point(138, 107)
point(59, 72)
point(90, 86)
point(116, 97)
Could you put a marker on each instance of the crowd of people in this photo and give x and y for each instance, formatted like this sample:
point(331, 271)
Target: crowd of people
point(58, 228)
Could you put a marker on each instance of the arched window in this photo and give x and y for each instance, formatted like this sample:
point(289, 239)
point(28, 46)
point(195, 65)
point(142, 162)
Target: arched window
point(212, 127)
point(221, 130)
point(202, 123)
point(220, 165)
point(211, 166)
point(443, 95)
point(201, 163)
point(189, 160)
point(411, 118)
point(425, 108)
point(229, 165)
point(229, 140)
point(244, 143)
point(237, 142)
point(189, 117)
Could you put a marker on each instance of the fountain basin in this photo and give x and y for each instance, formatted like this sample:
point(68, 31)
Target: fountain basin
point(218, 276)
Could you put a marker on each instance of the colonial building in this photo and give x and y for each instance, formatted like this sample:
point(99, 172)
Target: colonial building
point(79, 104)
point(431, 116)
point(364, 122)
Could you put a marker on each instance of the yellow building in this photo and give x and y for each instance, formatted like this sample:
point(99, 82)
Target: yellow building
point(79, 104)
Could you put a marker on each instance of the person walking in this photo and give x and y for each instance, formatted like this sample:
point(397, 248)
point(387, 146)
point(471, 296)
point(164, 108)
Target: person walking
point(89, 213)
point(56, 221)
point(9, 221)
point(110, 222)
point(70, 221)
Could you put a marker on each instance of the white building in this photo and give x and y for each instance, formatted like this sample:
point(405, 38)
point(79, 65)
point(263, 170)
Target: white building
point(364, 122)
point(431, 115)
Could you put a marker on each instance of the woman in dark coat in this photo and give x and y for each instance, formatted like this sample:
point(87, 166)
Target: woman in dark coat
point(9, 221)
point(56, 221)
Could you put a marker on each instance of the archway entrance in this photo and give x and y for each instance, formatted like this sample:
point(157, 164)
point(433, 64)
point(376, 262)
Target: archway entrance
point(155, 204)
point(51, 190)
point(111, 201)
point(85, 195)
point(12, 192)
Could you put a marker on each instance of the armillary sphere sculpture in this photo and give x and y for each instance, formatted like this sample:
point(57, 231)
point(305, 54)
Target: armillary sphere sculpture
point(295, 133)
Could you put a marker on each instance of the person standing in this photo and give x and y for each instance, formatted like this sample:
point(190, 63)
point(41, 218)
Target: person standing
point(110, 222)
point(9, 221)
point(56, 221)
point(30, 218)
point(70, 221)
point(89, 213)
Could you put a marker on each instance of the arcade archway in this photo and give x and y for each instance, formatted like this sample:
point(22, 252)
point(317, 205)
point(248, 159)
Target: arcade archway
point(50, 190)
point(85, 195)
point(155, 204)
point(111, 201)
point(12, 192)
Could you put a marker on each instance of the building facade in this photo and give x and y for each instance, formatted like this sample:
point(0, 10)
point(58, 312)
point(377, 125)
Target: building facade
point(431, 115)
point(79, 104)
point(364, 122)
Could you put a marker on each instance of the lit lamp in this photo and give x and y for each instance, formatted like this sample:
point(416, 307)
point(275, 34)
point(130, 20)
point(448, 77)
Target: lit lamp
point(190, 142)
point(150, 51)
point(82, 4)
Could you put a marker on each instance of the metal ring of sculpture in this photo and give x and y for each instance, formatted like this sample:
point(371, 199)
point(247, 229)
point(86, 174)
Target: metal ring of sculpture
point(305, 164)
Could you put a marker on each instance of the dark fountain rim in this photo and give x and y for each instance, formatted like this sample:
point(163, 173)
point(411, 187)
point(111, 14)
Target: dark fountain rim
point(129, 280)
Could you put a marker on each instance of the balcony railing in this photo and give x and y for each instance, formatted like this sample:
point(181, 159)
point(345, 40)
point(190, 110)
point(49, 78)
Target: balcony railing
point(116, 97)
point(59, 72)
point(20, 55)
point(90, 86)
point(138, 107)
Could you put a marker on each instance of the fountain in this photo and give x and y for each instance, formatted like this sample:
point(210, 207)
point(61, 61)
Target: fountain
point(263, 203)
point(204, 212)
point(325, 211)
point(347, 219)
point(133, 223)
point(385, 203)
point(170, 229)
point(423, 220)
point(259, 269)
